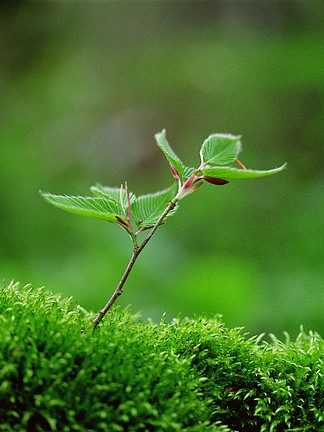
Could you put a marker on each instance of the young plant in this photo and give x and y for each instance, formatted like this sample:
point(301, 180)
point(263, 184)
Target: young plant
point(218, 154)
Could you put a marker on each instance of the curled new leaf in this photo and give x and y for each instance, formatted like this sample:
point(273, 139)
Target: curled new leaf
point(177, 166)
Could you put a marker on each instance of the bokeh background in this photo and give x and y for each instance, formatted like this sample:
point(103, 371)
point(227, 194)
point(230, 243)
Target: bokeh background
point(83, 88)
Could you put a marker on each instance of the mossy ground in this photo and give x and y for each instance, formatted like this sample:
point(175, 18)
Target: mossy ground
point(128, 375)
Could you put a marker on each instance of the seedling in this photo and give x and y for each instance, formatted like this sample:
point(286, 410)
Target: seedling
point(219, 163)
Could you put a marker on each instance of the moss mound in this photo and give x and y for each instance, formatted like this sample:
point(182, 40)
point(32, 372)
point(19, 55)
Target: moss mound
point(189, 375)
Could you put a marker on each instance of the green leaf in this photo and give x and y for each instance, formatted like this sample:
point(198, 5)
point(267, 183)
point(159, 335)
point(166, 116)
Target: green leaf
point(98, 208)
point(220, 149)
point(172, 158)
point(230, 173)
point(147, 209)
point(113, 193)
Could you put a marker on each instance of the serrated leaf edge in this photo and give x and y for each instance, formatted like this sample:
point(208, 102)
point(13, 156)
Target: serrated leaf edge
point(232, 173)
point(89, 210)
point(238, 143)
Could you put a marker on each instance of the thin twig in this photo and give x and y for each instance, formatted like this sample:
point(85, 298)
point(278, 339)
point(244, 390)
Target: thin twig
point(136, 251)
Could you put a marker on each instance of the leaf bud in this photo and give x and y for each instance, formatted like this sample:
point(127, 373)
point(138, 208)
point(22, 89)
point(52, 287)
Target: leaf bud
point(174, 172)
point(214, 180)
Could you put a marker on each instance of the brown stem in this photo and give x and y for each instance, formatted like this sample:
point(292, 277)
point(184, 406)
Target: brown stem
point(136, 251)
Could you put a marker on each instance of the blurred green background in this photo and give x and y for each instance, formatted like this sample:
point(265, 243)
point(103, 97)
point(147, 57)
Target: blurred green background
point(83, 88)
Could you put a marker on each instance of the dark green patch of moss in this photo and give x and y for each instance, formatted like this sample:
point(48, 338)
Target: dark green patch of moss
point(190, 375)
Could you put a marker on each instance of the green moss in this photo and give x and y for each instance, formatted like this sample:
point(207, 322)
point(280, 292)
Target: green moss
point(189, 375)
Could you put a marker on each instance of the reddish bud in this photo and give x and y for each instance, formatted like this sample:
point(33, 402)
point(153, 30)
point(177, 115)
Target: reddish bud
point(215, 181)
point(174, 172)
point(190, 181)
